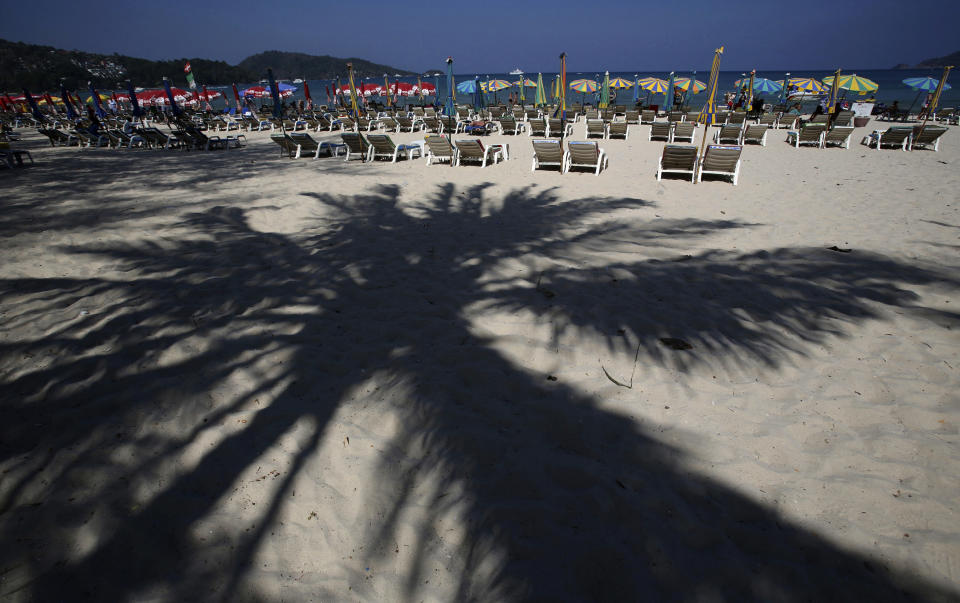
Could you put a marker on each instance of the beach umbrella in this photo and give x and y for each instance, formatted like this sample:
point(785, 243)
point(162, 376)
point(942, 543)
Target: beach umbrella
point(583, 87)
point(469, 86)
point(853, 83)
point(34, 108)
point(636, 89)
point(386, 92)
point(236, 97)
point(427, 88)
point(562, 87)
point(761, 84)
point(50, 101)
point(169, 91)
point(687, 83)
point(100, 96)
point(668, 94)
point(96, 102)
point(306, 95)
point(137, 111)
point(495, 86)
point(207, 96)
point(653, 85)
point(931, 108)
point(286, 90)
point(522, 84)
point(449, 110)
point(477, 94)
point(619, 82)
point(353, 91)
point(805, 84)
point(404, 89)
point(926, 84)
point(708, 113)
point(540, 99)
point(71, 112)
point(605, 91)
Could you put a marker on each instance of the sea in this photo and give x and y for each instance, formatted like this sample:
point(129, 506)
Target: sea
point(890, 82)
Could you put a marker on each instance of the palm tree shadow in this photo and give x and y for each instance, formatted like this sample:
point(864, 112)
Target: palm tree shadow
point(558, 498)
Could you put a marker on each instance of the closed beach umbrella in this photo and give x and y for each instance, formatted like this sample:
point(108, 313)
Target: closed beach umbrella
point(96, 102)
point(477, 93)
point(137, 111)
point(306, 94)
point(71, 113)
point(275, 93)
point(448, 109)
point(522, 84)
point(386, 92)
point(541, 96)
point(34, 108)
point(169, 91)
point(354, 100)
point(927, 84)
point(605, 91)
point(636, 89)
point(236, 97)
point(668, 94)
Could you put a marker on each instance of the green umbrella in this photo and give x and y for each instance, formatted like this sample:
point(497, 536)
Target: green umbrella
point(605, 91)
point(541, 97)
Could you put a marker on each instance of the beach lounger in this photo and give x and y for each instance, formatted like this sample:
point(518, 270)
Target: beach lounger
point(811, 134)
point(537, 127)
point(736, 118)
point(559, 127)
point(585, 154)
point(473, 150)
point(618, 129)
point(823, 118)
point(678, 159)
point(928, 138)
point(451, 125)
point(691, 116)
point(307, 145)
point(843, 118)
point(756, 133)
point(787, 120)
point(432, 125)
point(675, 116)
point(86, 139)
point(408, 125)
point(383, 146)
point(596, 127)
point(439, 149)
point(720, 160)
point(767, 119)
point(13, 158)
point(507, 124)
point(632, 117)
point(897, 136)
point(732, 134)
point(59, 137)
point(683, 131)
point(647, 117)
point(357, 145)
point(660, 130)
point(838, 136)
point(547, 152)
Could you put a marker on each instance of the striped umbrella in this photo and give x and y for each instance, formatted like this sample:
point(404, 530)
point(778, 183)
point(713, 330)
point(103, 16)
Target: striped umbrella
point(685, 83)
point(495, 85)
point(652, 84)
point(853, 83)
point(927, 84)
point(527, 83)
point(584, 86)
point(761, 84)
point(804, 84)
point(541, 97)
point(619, 82)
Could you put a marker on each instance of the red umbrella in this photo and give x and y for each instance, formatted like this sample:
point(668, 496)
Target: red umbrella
point(427, 88)
point(328, 95)
point(236, 95)
point(264, 92)
point(404, 89)
point(208, 96)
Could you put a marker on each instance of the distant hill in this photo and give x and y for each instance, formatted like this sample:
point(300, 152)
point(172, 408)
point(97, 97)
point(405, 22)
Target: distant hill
point(291, 65)
point(42, 67)
point(950, 59)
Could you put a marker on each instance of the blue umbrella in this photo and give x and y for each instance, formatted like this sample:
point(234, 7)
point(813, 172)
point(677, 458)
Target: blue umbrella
point(34, 108)
point(469, 86)
point(137, 111)
point(71, 113)
point(927, 84)
point(668, 103)
point(96, 102)
point(477, 94)
point(275, 92)
point(173, 104)
point(449, 109)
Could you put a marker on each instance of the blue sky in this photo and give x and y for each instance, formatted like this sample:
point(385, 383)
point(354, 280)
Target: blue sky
point(497, 36)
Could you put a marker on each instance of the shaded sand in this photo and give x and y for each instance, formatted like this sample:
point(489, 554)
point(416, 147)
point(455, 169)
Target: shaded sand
point(230, 376)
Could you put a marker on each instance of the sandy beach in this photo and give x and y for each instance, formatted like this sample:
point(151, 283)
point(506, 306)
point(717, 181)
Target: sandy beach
point(235, 376)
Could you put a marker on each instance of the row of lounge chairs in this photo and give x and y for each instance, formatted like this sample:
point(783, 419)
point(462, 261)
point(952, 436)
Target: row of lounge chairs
point(720, 160)
point(187, 138)
point(906, 138)
point(585, 154)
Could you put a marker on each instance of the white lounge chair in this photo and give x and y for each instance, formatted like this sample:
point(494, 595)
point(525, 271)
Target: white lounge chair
point(721, 160)
point(585, 154)
point(547, 152)
point(678, 159)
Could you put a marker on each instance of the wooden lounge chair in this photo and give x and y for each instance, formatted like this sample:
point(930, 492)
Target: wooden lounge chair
point(647, 117)
point(720, 160)
point(507, 124)
point(897, 136)
point(683, 131)
point(432, 125)
point(383, 146)
point(811, 134)
point(596, 127)
point(619, 129)
point(632, 117)
point(660, 130)
point(767, 119)
point(439, 149)
point(473, 150)
point(306, 144)
point(823, 118)
point(756, 133)
point(838, 136)
point(59, 137)
point(678, 159)
point(736, 118)
point(13, 158)
point(929, 138)
point(408, 125)
point(287, 145)
point(691, 116)
point(547, 152)
point(357, 145)
point(732, 134)
point(558, 127)
point(675, 116)
point(585, 154)
point(843, 118)
point(537, 127)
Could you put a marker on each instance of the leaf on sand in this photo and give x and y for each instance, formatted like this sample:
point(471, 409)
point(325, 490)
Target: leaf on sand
point(675, 344)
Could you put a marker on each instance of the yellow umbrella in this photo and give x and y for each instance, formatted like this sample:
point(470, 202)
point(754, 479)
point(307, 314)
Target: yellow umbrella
point(853, 83)
point(684, 84)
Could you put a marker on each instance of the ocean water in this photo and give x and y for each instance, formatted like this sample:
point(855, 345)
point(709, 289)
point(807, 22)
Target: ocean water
point(890, 81)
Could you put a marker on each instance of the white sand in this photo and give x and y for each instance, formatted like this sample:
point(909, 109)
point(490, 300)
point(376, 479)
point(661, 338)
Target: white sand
point(231, 376)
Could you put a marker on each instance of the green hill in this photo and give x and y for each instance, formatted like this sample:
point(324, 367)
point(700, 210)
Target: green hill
point(43, 67)
point(291, 65)
point(950, 59)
